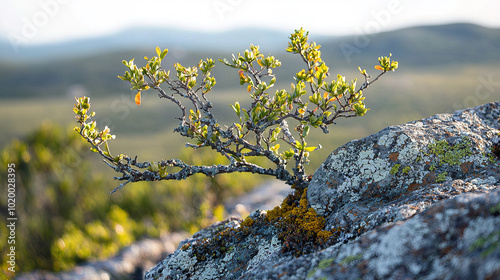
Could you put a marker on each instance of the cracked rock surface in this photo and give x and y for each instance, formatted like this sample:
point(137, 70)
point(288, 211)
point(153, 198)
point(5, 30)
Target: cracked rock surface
point(418, 200)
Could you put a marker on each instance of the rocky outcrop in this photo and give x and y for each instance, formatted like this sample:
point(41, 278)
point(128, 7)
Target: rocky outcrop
point(401, 170)
point(419, 200)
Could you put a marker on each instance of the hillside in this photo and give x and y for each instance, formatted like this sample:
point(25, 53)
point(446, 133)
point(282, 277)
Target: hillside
point(94, 63)
point(441, 75)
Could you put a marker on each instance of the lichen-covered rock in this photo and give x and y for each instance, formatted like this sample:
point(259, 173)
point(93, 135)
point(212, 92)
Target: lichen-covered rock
point(224, 250)
point(419, 200)
point(401, 170)
point(403, 158)
point(457, 238)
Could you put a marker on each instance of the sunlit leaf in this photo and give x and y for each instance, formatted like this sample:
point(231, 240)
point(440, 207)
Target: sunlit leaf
point(310, 149)
point(163, 53)
point(138, 98)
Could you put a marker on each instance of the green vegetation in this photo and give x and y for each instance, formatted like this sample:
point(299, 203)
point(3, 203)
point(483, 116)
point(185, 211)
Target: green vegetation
point(33, 93)
point(450, 154)
point(259, 127)
point(64, 218)
point(406, 169)
point(441, 177)
point(490, 243)
point(487, 244)
point(444, 153)
point(325, 263)
point(351, 258)
point(395, 169)
point(300, 228)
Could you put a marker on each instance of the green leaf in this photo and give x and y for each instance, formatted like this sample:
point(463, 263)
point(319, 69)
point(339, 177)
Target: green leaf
point(236, 108)
point(107, 152)
point(163, 54)
point(246, 115)
point(275, 134)
point(272, 81)
point(305, 132)
point(298, 145)
point(360, 109)
point(123, 78)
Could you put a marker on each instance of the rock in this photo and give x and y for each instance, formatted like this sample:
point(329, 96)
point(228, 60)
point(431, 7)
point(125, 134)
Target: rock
point(419, 200)
point(383, 177)
point(456, 238)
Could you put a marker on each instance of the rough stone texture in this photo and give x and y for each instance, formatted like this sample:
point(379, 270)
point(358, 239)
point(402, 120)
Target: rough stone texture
point(129, 264)
point(246, 251)
point(356, 190)
point(419, 200)
point(457, 238)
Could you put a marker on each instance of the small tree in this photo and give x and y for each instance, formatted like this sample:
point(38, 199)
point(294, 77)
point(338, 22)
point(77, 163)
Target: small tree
point(312, 102)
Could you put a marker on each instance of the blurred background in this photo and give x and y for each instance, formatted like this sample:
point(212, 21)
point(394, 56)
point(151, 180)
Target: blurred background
point(54, 50)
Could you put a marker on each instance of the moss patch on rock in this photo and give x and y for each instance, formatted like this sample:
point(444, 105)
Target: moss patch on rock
point(450, 154)
point(300, 228)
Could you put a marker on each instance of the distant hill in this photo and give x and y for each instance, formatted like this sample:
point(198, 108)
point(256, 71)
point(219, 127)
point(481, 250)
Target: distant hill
point(425, 46)
point(140, 38)
point(94, 63)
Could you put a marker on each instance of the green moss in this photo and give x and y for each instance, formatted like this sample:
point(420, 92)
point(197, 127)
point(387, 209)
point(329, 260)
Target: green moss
point(487, 244)
point(300, 227)
point(248, 222)
point(395, 169)
point(442, 153)
point(490, 157)
point(494, 154)
point(495, 209)
point(406, 170)
point(450, 154)
point(441, 177)
point(325, 263)
point(350, 259)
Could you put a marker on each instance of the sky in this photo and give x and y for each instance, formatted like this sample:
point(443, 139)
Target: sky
point(45, 21)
